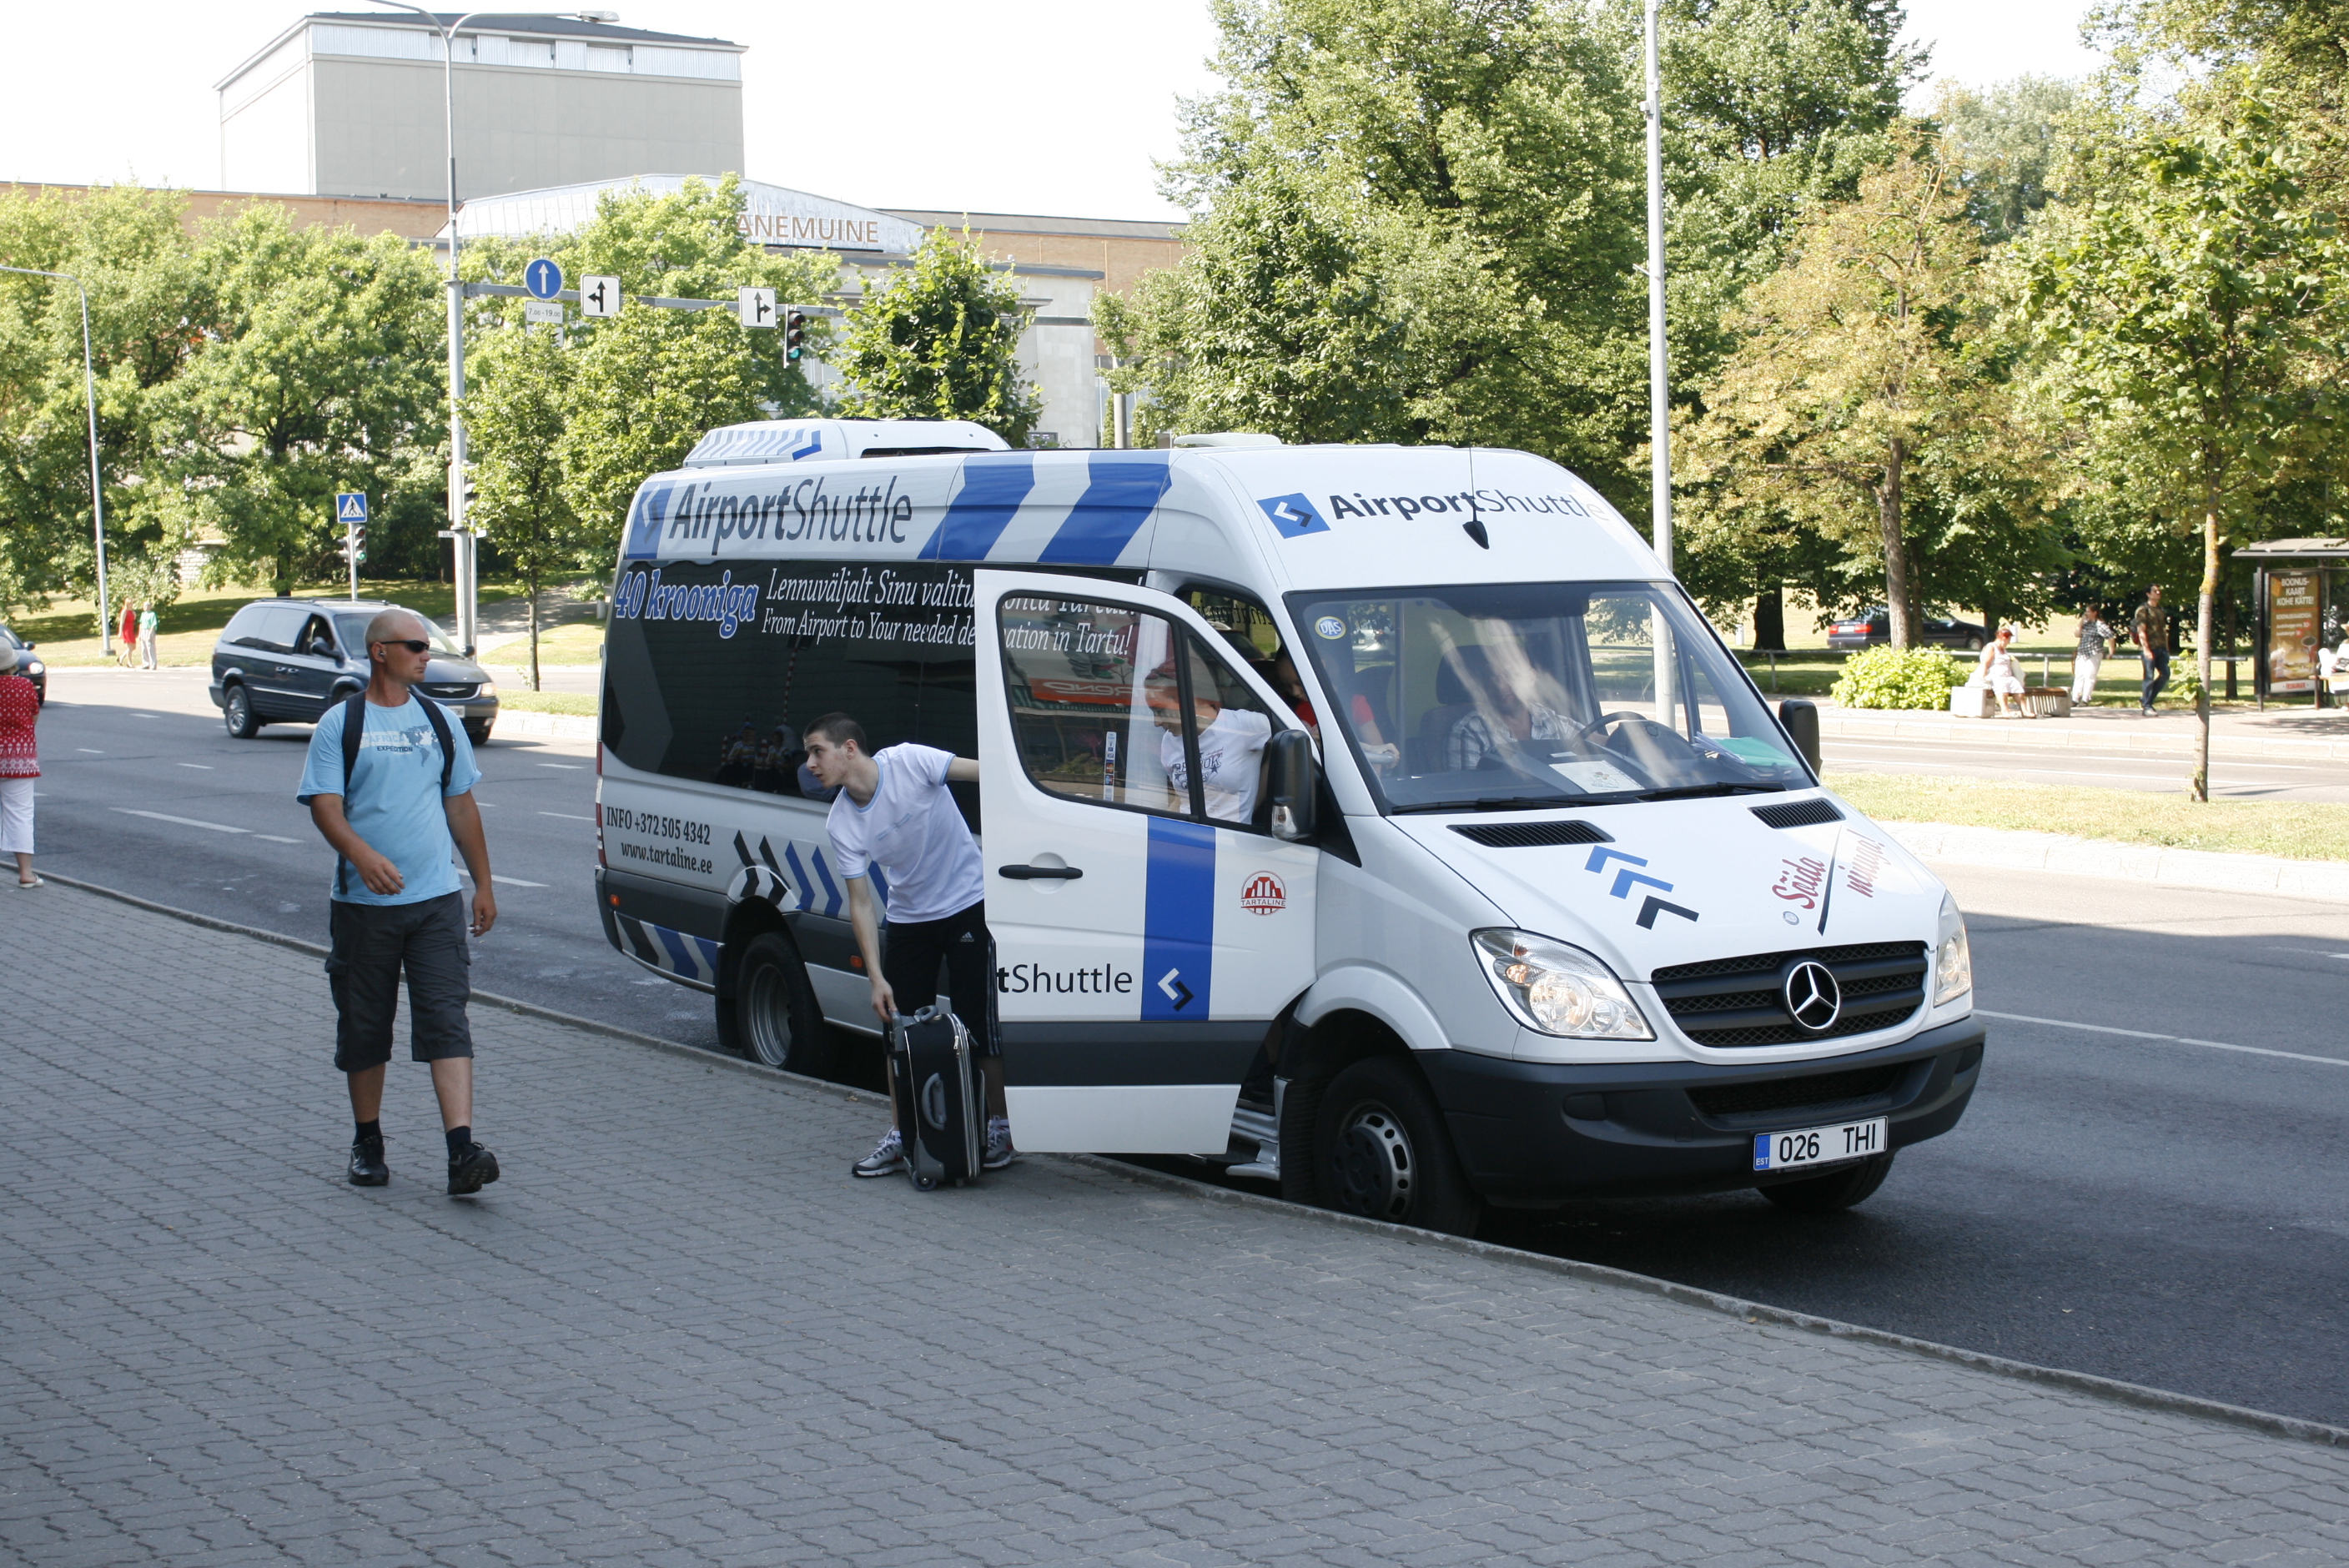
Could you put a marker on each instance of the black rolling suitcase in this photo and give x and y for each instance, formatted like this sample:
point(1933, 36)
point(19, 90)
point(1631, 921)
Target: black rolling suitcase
point(937, 1098)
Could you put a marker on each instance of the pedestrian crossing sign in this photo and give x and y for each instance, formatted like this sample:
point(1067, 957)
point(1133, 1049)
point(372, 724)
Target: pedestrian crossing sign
point(350, 506)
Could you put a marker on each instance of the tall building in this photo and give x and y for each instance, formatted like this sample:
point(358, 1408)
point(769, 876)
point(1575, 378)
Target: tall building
point(350, 104)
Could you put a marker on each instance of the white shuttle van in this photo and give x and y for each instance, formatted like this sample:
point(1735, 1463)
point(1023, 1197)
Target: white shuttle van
point(1381, 820)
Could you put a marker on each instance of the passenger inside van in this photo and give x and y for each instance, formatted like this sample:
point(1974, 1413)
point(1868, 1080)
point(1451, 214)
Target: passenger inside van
point(1483, 708)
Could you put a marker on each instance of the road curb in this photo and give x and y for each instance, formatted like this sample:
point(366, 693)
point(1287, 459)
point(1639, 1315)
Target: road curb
point(1925, 725)
point(2027, 851)
point(2113, 1390)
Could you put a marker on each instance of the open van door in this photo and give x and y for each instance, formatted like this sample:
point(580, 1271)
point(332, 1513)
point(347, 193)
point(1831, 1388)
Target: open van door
point(1149, 926)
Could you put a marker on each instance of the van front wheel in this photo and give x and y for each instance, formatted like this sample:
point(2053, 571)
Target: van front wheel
point(1382, 1150)
point(774, 1018)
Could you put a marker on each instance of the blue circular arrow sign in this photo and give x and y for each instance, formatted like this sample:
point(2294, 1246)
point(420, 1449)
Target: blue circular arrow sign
point(542, 278)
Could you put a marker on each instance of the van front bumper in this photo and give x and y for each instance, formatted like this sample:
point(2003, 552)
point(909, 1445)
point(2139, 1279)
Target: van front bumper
point(1531, 1133)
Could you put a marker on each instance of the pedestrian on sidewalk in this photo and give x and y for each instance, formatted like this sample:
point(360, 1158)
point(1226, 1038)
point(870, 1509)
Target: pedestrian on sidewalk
point(20, 764)
point(128, 634)
point(394, 799)
point(894, 811)
point(147, 638)
point(2088, 657)
point(2150, 631)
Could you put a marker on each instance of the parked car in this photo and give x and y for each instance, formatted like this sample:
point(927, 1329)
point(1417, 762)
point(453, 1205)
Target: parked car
point(1874, 630)
point(31, 669)
point(286, 661)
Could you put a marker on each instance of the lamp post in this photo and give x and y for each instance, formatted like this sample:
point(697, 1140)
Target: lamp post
point(1660, 405)
point(97, 491)
point(461, 537)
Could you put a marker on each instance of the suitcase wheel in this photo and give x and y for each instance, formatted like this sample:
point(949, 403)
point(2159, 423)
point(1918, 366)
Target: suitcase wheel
point(926, 1184)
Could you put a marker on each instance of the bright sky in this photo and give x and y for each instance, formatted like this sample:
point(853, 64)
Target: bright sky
point(1020, 105)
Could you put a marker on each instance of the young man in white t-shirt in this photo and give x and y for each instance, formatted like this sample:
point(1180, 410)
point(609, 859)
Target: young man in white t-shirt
point(894, 812)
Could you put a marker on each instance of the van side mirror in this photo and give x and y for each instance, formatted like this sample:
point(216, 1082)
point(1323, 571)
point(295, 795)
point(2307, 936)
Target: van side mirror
point(1296, 781)
point(1800, 720)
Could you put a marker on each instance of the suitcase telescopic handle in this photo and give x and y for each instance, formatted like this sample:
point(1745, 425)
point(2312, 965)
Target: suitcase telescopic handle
point(1039, 873)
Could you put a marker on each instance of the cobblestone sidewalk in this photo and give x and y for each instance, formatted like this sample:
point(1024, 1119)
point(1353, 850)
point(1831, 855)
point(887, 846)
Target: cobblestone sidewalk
point(677, 1333)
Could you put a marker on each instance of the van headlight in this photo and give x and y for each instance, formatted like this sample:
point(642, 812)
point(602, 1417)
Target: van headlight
point(1953, 963)
point(488, 688)
point(1557, 989)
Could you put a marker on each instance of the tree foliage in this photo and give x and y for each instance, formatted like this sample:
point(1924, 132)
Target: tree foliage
point(939, 341)
point(517, 416)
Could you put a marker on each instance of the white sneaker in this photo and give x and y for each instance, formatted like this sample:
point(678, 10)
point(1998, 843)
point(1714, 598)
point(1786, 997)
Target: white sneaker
point(1000, 1152)
point(887, 1158)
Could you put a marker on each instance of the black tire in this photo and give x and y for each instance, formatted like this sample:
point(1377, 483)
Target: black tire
point(1973, 645)
point(1381, 1149)
point(479, 734)
point(236, 712)
point(1833, 1193)
point(772, 1017)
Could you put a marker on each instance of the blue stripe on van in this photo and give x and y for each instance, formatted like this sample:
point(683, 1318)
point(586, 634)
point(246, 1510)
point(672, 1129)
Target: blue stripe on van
point(831, 888)
point(993, 487)
point(880, 882)
point(644, 523)
point(1178, 930)
point(800, 880)
point(1122, 490)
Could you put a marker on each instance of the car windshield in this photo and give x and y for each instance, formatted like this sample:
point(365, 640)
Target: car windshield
point(8, 638)
point(352, 629)
point(1497, 697)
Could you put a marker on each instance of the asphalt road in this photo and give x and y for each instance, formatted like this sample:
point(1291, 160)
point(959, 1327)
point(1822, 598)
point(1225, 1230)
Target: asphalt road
point(2163, 1211)
point(2231, 778)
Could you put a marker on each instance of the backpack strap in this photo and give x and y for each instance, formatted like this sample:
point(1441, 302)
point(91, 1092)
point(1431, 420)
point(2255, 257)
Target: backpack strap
point(439, 722)
point(353, 732)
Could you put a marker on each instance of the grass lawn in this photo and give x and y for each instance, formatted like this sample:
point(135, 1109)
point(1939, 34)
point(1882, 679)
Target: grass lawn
point(2299, 830)
point(572, 642)
point(66, 631)
point(522, 701)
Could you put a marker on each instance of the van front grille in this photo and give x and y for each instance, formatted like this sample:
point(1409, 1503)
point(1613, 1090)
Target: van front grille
point(1742, 1001)
point(1818, 1089)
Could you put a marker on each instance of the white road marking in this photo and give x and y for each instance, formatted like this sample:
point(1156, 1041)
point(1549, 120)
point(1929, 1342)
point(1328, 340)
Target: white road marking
point(183, 821)
point(568, 815)
point(90, 750)
point(274, 839)
point(566, 767)
point(206, 766)
point(2175, 1039)
point(509, 881)
point(146, 716)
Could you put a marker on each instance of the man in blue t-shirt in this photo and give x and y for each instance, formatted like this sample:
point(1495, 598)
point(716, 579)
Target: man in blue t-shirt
point(396, 904)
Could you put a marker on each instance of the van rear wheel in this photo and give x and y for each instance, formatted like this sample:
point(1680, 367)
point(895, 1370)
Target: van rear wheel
point(1381, 1151)
point(1833, 1193)
point(774, 1019)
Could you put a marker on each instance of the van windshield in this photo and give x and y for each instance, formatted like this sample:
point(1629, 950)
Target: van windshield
point(1498, 697)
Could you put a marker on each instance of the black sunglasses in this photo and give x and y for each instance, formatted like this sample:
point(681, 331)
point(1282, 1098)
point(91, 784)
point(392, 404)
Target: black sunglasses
point(413, 645)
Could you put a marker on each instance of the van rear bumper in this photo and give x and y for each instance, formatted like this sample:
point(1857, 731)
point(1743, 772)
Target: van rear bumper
point(1533, 1133)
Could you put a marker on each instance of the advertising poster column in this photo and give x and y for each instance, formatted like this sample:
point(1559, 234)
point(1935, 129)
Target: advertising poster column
point(2293, 621)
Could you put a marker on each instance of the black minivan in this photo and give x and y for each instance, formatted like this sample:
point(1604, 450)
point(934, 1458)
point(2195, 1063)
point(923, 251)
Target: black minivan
point(286, 661)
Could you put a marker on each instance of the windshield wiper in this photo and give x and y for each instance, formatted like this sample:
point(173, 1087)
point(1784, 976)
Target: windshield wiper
point(1690, 792)
point(1499, 803)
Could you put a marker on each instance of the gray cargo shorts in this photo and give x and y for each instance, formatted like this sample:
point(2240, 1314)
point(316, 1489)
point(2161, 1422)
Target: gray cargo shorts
point(372, 943)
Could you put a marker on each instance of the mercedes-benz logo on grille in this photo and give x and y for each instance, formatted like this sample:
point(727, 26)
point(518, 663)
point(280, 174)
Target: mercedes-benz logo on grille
point(1814, 1000)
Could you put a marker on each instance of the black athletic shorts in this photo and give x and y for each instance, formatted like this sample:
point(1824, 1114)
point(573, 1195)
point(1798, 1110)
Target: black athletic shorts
point(911, 953)
point(373, 942)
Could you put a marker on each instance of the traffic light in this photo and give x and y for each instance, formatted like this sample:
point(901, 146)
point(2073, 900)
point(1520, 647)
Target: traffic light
point(794, 335)
point(355, 542)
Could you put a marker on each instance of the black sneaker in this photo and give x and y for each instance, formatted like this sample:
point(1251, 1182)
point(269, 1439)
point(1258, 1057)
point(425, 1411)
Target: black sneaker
point(472, 1170)
point(367, 1169)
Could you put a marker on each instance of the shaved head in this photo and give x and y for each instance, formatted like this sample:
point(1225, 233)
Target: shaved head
point(397, 626)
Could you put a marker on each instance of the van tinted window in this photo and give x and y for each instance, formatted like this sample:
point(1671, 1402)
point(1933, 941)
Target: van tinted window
point(266, 628)
point(713, 672)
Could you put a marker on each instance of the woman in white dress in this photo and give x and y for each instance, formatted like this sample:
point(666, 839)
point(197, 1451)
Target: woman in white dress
point(1999, 673)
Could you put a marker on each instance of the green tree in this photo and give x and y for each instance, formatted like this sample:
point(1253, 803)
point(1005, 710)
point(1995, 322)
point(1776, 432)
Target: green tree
point(2193, 329)
point(939, 341)
point(1417, 221)
point(645, 386)
point(148, 305)
point(319, 364)
point(516, 414)
point(1855, 392)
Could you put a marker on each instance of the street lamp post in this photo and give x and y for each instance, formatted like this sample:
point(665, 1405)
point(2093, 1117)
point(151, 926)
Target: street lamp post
point(461, 538)
point(1659, 405)
point(97, 489)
